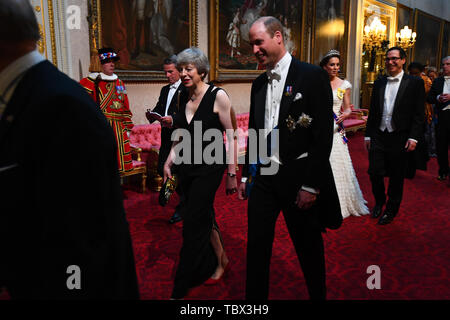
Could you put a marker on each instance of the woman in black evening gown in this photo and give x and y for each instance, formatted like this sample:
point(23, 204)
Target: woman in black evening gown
point(202, 257)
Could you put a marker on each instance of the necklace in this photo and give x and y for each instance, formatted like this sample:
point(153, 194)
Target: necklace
point(200, 94)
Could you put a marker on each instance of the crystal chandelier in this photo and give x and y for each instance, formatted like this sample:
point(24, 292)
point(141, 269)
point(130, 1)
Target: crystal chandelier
point(374, 35)
point(406, 38)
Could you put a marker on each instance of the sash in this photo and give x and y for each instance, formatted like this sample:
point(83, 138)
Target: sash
point(341, 128)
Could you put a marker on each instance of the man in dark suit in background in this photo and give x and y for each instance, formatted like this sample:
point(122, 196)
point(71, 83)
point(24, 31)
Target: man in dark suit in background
point(394, 127)
point(63, 231)
point(169, 99)
point(296, 98)
point(440, 96)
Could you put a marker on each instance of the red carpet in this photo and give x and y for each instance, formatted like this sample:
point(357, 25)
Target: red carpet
point(412, 252)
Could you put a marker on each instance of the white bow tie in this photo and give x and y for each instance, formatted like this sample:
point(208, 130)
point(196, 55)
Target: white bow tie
point(393, 79)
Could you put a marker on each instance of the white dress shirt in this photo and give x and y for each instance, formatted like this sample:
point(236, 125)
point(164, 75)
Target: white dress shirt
point(275, 90)
point(277, 79)
point(390, 94)
point(446, 89)
point(11, 75)
point(172, 90)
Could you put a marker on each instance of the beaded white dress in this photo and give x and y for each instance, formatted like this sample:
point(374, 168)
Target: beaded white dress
point(349, 192)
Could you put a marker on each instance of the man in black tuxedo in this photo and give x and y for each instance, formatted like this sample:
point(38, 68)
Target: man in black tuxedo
point(440, 96)
point(296, 98)
point(394, 127)
point(169, 99)
point(63, 230)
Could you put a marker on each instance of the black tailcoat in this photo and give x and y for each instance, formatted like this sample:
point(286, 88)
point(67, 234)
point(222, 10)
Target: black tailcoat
point(61, 201)
point(166, 133)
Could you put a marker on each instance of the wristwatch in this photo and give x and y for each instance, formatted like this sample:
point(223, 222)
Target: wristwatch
point(231, 174)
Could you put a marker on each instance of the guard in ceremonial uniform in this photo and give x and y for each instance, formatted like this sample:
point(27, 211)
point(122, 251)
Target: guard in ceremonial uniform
point(109, 92)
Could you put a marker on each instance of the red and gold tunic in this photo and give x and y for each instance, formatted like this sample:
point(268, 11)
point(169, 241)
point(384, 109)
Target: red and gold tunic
point(114, 104)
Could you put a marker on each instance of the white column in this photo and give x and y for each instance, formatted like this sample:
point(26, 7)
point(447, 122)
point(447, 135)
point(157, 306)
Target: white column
point(354, 49)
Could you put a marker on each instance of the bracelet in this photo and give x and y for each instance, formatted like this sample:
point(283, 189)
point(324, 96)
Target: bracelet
point(231, 174)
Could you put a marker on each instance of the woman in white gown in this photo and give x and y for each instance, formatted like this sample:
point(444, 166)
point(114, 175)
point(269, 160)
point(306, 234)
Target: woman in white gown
point(350, 195)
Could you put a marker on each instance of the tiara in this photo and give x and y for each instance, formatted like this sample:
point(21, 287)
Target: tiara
point(330, 53)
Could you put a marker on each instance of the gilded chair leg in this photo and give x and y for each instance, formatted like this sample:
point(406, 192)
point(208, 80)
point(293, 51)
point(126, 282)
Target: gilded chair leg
point(144, 178)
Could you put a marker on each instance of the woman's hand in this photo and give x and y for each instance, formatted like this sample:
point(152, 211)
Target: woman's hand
point(167, 171)
point(343, 116)
point(231, 185)
point(241, 191)
point(166, 121)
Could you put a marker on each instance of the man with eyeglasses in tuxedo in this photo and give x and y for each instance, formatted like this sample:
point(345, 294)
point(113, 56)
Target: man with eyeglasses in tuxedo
point(394, 129)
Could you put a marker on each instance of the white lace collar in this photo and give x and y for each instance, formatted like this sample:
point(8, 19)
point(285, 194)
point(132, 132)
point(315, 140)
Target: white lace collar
point(103, 76)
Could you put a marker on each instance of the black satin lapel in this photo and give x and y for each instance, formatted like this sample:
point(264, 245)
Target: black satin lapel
point(260, 105)
point(13, 110)
point(288, 95)
point(173, 104)
point(401, 91)
point(382, 92)
point(165, 96)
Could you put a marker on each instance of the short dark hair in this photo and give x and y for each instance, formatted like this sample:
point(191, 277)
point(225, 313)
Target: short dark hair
point(171, 60)
point(273, 25)
point(402, 52)
point(416, 65)
point(17, 21)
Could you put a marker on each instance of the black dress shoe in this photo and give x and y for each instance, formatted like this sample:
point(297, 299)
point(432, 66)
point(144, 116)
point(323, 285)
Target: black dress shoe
point(376, 211)
point(175, 218)
point(386, 218)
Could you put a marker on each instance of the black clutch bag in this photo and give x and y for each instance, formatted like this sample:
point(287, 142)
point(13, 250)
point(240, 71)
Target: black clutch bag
point(167, 190)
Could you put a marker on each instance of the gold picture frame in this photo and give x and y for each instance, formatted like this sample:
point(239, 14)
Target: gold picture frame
point(161, 32)
point(231, 56)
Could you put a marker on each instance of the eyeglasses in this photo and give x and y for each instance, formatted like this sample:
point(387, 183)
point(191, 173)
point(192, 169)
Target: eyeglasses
point(392, 59)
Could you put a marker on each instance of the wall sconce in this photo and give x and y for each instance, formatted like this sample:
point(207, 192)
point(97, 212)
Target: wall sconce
point(406, 38)
point(374, 35)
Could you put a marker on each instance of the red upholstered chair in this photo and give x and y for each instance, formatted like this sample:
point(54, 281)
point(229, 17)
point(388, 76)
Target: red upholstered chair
point(139, 167)
point(357, 120)
point(242, 124)
point(147, 138)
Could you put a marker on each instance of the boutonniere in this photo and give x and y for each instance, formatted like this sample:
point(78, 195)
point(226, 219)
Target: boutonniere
point(288, 91)
point(303, 121)
point(340, 93)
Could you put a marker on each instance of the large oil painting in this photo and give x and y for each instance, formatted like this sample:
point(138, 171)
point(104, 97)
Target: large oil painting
point(426, 49)
point(144, 32)
point(230, 20)
point(405, 16)
point(330, 28)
